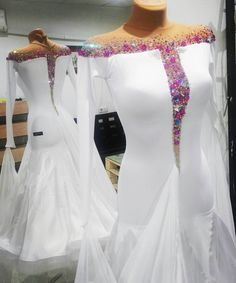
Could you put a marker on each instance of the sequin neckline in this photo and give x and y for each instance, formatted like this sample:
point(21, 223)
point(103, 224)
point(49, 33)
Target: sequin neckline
point(50, 55)
point(93, 48)
point(21, 57)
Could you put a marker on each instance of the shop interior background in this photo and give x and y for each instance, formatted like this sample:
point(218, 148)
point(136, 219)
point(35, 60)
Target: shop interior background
point(72, 21)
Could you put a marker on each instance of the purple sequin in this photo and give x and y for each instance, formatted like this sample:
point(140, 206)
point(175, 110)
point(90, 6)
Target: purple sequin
point(179, 89)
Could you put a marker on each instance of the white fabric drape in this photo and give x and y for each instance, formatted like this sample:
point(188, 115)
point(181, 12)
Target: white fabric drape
point(92, 266)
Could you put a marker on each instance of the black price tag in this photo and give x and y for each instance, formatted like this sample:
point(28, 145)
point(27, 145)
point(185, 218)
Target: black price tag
point(37, 134)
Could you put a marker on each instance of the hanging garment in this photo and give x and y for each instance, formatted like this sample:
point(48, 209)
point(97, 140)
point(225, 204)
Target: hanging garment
point(175, 221)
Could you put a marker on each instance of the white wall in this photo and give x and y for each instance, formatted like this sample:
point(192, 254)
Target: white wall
point(62, 20)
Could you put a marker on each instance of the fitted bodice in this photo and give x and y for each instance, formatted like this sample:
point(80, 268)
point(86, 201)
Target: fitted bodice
point(161, 93)
point(142, 96)
point(41, 76)
point(142, 99)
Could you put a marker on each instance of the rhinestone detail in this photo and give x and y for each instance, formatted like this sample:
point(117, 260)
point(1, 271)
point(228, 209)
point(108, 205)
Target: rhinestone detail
point(179, 90)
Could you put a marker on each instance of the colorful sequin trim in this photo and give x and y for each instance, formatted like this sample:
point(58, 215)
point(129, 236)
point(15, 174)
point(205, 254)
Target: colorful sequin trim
point(21, 57)
point(51, 57)
point(160, 42)
point(179, 90)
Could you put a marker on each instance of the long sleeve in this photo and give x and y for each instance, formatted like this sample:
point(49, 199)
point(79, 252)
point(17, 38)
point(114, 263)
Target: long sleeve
point(215, 152)
point(93, 265)
point(86, 114)
point(11, 94)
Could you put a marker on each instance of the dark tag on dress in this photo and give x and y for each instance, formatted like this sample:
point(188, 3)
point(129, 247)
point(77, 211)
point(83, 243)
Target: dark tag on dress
point(37, 134)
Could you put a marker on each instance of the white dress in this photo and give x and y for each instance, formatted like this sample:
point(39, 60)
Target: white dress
point(41, 220)
point(175, 221)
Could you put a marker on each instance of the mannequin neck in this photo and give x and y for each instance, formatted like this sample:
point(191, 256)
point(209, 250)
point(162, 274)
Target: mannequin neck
point(149, 20)
point(46, 44)
point(39, 37)
point(39, 42)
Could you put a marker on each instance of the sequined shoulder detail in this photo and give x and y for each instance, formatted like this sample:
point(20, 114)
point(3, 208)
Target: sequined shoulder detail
point(93, 48)
point(50, 55)
point(21, 57)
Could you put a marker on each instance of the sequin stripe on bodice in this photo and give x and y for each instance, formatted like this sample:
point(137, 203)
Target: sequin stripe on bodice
point(179, 90)
point(51, 57)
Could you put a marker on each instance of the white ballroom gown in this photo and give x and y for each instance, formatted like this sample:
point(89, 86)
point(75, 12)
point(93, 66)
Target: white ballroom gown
point(175, 221)
point(41, 219)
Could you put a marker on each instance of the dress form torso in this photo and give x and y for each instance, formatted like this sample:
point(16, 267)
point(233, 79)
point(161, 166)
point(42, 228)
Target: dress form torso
point(166, 74)
point(164, 45)
point(145, 23)
point(50, 62)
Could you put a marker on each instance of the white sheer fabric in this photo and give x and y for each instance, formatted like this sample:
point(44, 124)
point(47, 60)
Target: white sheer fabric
point(174, 224)
point(41, 221)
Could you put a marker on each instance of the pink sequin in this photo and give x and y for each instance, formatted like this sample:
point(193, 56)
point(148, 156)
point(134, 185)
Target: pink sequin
point(179, 89)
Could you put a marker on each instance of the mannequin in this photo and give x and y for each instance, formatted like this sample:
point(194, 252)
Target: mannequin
point(149, 18)
point(52, 153)
point(38, 41)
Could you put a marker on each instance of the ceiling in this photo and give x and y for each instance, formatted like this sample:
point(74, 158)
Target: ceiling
point(121, 3)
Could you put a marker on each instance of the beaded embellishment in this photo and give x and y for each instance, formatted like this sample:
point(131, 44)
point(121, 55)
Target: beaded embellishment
point(160, 42)
point(177, 79)
point(51, 57)
point(179, 90)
